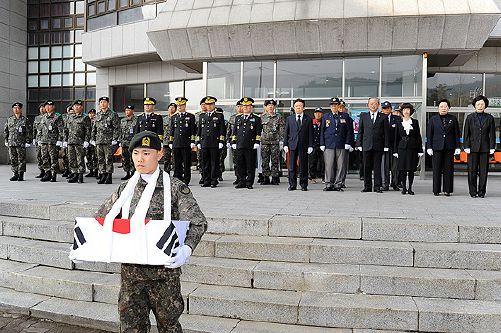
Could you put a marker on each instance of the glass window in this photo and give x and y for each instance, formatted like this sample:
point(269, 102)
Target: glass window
point(32, 95)
point(55, 80)
point(402, 76)
point(68, 22)
point(258, 79)
point(32, 38)
point(79, 93)
point(91, 10)
point(44, 24)
point(67, 93)
point(68, 51)
point(80, 21)
point(44, 52)
point(32, 11)
point(44, 66)
point(78, 36)
point(362, 77)
point(493, 89)
point(33, 53)
point(79, 79)
point(56, 37)
point(91, 93)
point(101, 7)
point(124, 95)
point(111, 5)
point(57, 52)
point(32, 67)
point(32, 81)
point(135, 2)
point(309, 78)
point(193, 90)
point(459, 89)
point(79, 65)
point(223, 80)
point(44, 38)
point(79, 7)
point(91, 68)
point(91, 79)
point(67, 65)
point(56, 23)
point(44, 80)
point(164, 93)
point(33, 25)
point(67, 79)
point(78, 50)
point(124, 3)
point(67, 37)
point(56, 66)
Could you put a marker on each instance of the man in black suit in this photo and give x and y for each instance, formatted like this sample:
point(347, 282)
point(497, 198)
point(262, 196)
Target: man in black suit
point(442, 143)
point(149, 120)
point(182, 140)
point(210, 136)
point(298, 140)
point(390, 162)
point(479, 142)
point(372, 141)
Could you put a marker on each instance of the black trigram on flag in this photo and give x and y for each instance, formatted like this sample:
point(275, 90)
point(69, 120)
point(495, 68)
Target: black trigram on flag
point(170, 239)
point(78, 238)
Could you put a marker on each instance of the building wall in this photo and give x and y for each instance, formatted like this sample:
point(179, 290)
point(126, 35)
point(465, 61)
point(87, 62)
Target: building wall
point(487, 59)
point(13, 40)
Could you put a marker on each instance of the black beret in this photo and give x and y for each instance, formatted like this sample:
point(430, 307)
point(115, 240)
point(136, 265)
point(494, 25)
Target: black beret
point(270, 101)
point(77, 102)
point(49, 102)
point(131, 107)
point(149, 101)
point(145, 139)
point(172, 104)
point(18, 104)
point(104, 98)
point(92, 111)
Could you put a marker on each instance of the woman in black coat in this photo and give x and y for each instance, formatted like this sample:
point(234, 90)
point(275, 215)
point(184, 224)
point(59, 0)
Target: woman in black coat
point(408, 146)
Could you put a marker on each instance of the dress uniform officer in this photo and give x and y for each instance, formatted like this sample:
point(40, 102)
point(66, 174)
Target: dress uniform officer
point(91, 150)
point(203, 109)
point(149, 120)
point(210, 140)
point(127, 127)
point(229, 135)
point(105, 135)
point(76, 139)
point(223, 152)
point(182, 140)
point(37, 133)
point(479, 142)
point(442, 143)
point(245, 139)
point(171, 110)
point(271, 142)
point(17, 139)
point(389, 161)
point(145, 288)
point(51, 138)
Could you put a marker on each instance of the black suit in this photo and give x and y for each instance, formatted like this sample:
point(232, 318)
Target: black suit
point(298, 138)
point(150, 122)
point(182, 135)
point(373, 137)
point(211, 132)
point(442, 136)
point(479, 136)
point(390, 163)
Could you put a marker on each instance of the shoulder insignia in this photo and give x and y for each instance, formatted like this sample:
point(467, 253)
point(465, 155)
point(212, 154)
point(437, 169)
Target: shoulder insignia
point(184, 189)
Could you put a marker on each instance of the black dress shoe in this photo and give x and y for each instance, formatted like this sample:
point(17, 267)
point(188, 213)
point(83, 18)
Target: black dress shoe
point(240, 185)
point(213, 185)
point(385, 188)
point(379, 190)
point(366, 190)
point(447, 194)
point(205, 184)
point(220, 178)
point(481, 196)
point(250, 187)
point(328, 189)
point(304, 188)
point(437, 194)
point(343, 186)
point(395, 188)
point(291, 188)
point(404, 191)
point(236, 182)
point(411, 192)
point(473, 195)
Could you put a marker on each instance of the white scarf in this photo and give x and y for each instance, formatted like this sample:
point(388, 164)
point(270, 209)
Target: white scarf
point(137, 224)
point(407, 124)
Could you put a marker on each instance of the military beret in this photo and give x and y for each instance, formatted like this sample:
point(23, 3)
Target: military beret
point(18, 104)
point(145, 139)
point(246, 101)
point(130, 107)
point(92, 111)
point(385, 105)
point(181, 100)
point(49, 102)
point(149, 101)
point(270, 101)
point(172, 104)
point(104, 98)
point(209, 100)
point(77, 102)
point(319, 110)
point(334, 100)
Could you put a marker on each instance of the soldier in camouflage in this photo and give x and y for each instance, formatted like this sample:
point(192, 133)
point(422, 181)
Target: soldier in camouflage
point(127, 125)
point(144, 288)
point(37, 133)
point(229, 134)
point(77, 137)
point(105, 135)
point(167, 151)
point(17, 139)
point(90, 152)
point(63, 152)
point(50, 140)
point(273, 132)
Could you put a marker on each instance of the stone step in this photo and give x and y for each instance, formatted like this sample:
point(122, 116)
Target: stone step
point(50, 230)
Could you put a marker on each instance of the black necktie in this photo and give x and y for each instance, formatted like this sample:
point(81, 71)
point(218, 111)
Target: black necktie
point(298, 121)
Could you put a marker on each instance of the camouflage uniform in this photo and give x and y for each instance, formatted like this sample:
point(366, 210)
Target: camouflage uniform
point(52, 132)
point(273, 132)
point(16, 137)
point(105, 130)
point(37, 133)
point(91, 153)
point(64, 151)
point(127, 132)
point(229, 133)
point(168, 162)
point(77, 131)
point(156, 287)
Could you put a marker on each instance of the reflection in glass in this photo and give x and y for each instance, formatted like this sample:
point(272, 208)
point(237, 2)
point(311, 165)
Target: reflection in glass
point(33, 53)
point(44, 52)
point(32, 81)
point(44, 80)
point(67, 80)
point(67, 65)
point(258, 79)
point(164, 93)
point(459, 89)
point(55, 66)
point(194, 93)
point(493, 90)
point(362, 77)
point(55, 80)
point(32, 66)
point(44, 67)
point(127, 95)
point(79, 79)
point(402, 76)
point(91, 79)
point(223, 80)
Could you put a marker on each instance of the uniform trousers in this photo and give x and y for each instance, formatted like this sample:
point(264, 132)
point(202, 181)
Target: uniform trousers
point(443, 170)
point(335, 166)
point(270, 154)
point(49, 157)
point(345, 171)
point(210, 165)
point(127, 163)
point(316, 163)
point(182, 164)
point(104, 154)
point(76, 158)
point(91, 157)
point(17, 158)
point(372, 162)
point(478, 167)
point(167, 159)
point(390, 165)
point(294, 157)
point(246, 165)
point(39, 157)
point(234, 153)
point(222, 157)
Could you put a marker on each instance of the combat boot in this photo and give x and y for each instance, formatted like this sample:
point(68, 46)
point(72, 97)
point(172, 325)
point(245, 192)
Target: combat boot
point(21, 177)
point(99, 176)
point(65, 174)
point(90, 174)
point(275, 180)
point(80, 178)
point(127, 176)
point(14, 178)
point(46, 177)
point(73, 178)
point(42, 172)
point(53, 178)
point(102, 178)
point(260, 179)
point(108, 179)
point(266, 181)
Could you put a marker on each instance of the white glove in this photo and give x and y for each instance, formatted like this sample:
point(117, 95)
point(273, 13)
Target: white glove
point(281, 145)
point(6, 144)
point(220, 145)
point(92, 142)
point(180, 258)
point(27, 145)
point(228, 145)
point(234, 146)
point(65, 144)
point(256, 145)
point(492, 151)
point(457, 151)
point(59, 144)
point(170, 145)
point(429, 151)
point(359, 148)
point(199, 146)
point(86, 144)
point(34, 141)
point(310, 150)
point(396, 155)
point(192, 145)
point(120, 144)
point(322, 148)
point(386, 149)
point(286, 149)
point(467, 150)
point(351, 149)
point(114, 142)
point(420, 154)
point(347, 147)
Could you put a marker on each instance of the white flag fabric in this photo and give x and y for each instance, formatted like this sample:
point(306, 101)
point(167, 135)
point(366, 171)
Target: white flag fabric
point(156, 245)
